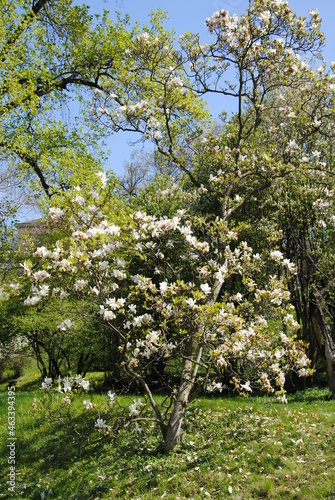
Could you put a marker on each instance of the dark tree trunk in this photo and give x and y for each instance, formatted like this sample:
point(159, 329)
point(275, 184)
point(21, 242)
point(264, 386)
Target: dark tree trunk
point(323, 334)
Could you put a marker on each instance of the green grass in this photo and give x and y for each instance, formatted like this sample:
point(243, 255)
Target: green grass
point(232, 448)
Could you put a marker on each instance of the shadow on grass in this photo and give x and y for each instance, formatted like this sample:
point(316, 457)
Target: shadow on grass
point(32, 385)
point(51, 451)
point(311, 395)
point(130, 466)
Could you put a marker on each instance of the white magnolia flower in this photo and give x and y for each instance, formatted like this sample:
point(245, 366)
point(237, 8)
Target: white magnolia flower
point(88, 404)
point(26, 267)
point(313, 13)
point(63, 294)
point(111, 396)
point(103, 178)
point(303, 362)
point(47, 383)
point(163, 287)
point(265, 16)
point(152, 337)
point(32, 301)
point(101, 424)
point(191, 303)
point(279, 353)
point(56, 213)
point(205, 288)
point(65, 325)
point(246, 386)
point(80, 285)
point(67, 387)
point(292, 146)
point(137, 429)
point(14, 286)
point(282, 398)
point(79, 200)
point(40, 275)
point(43, 290)
point(84, 384)
point(134, 408)
point(280, 380)
point(276, 255)
point(41, 252)
point(108, 315)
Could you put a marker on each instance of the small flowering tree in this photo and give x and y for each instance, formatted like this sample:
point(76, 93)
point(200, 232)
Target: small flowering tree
point(167, 288)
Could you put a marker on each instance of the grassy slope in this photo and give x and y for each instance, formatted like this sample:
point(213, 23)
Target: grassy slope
point(232, 448)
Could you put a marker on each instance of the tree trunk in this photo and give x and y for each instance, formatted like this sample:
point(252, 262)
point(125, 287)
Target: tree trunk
point(324, 338)
point(173, 430)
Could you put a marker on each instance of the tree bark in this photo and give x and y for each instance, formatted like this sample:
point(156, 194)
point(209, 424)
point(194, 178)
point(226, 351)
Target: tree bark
point(173, 430)
point(323, 334)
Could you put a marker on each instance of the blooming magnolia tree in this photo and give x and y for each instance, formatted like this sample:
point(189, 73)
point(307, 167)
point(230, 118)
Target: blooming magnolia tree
point(167, 288)
point(184, 295)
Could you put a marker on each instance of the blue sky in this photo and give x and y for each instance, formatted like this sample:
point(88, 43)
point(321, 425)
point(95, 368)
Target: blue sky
point(190, 15)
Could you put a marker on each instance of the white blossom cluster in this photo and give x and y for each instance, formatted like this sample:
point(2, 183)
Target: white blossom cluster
point(155, 311)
